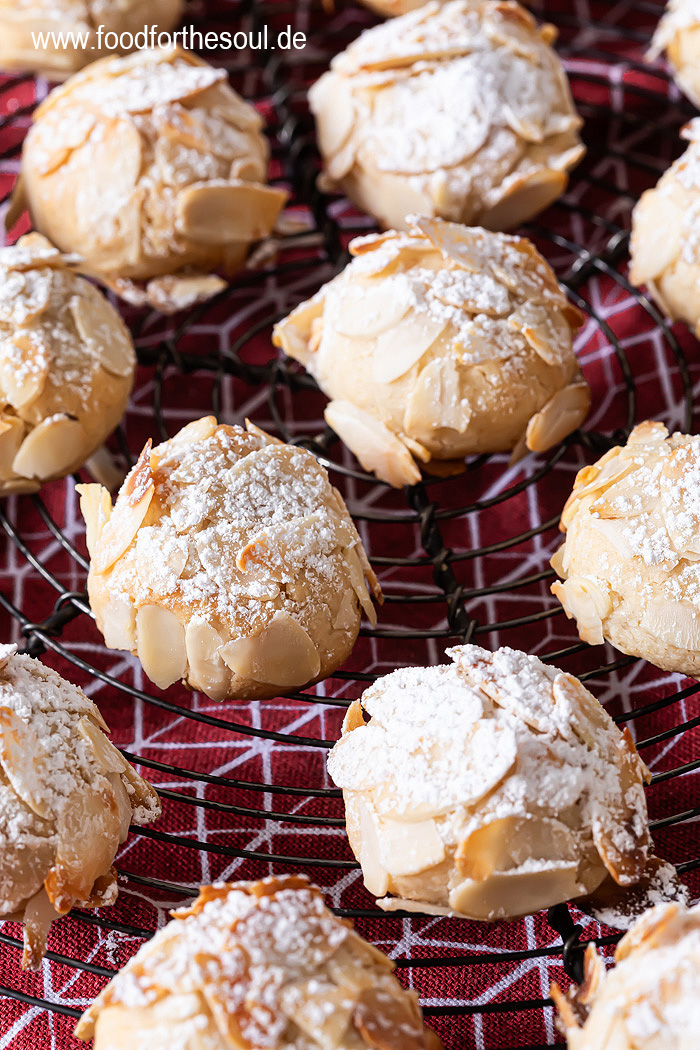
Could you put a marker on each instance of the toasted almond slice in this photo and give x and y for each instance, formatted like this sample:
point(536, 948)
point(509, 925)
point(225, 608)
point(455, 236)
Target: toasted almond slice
point(524, 197)
point(319, 1008)
point(116, 618)
point(400, 347)
point(375, 877)
point(388, 1021)
point(409, 847)
point(173, 292)
point(194, 432)
point(282, 654)
point(23, 761)
point(533, 887)
point(81, 858)
point(675, 622)
point(365, 310)
point(206, 669)
point(559, 561)
point(657, 235)
point(435, 402)
point(24, 367)
point(11, 435)
point(378, 450)
point(335, 99)
point(293, 334)
point(96, 508)
point(131, 507)
point(103, 469)
point(562, 414)
point(614, 535)
point(585, 601)
point(507, 842)
point(39, 913)
point(58, 444)
point(161, 645)
point(650, 432)
point(470, 247)
point(357, 579)
point(103, 332)
point(107, 757)
point(266, 438)
point(24, 295)
point(546, 330)
point(218, 212)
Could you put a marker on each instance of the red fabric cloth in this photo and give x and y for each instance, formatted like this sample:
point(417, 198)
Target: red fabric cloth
point(632, 118)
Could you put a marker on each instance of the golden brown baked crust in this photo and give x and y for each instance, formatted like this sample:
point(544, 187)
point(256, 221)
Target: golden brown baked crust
point(678, 34)
point(650, 1000)
point(151, 168)
point(66, 366)
point(253, 965)
point(491, 788)
point(20, 19)
point(67, 798)
point(630, 560)
point(449, 111)
point(439, 343)
point(228, 561)
point(665, 242)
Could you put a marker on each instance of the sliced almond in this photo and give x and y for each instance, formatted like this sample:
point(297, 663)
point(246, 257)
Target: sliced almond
point(361, 311)
point(173, 292)
point(614, 534)
point(378, 450)
point(293, 334)
point(657, 235)
point(508, 842)
point(24, 296)
point(58, 444)
point(675, 622)
point(436, 402)
point(206, 669)
point(117, 621)
point(334, 98)
point(194, 432)
point(546, 330)
point(161, 645)
point(563, 413)
point(586, 602)
point(11, 435)
point(24, 761)
point(24, 367)
point(96, 508)
point(524, 197)
point(319, 1008)
point(103, 332)
point(357, 579)
point(39, 913)
point(400, 347)
point(106, 756)
point(219, 211)
point(650, 432)
point(131, 507)
point(409, 847)
point(282, 654)
point(376, 878)
point(388, 1021)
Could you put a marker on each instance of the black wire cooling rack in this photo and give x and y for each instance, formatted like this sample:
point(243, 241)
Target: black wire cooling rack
point(461, 559)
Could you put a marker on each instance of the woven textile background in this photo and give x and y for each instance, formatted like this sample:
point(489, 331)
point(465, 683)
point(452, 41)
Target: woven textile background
point(244, 787)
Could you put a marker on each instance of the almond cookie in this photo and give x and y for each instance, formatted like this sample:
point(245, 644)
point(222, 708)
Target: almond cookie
point(67, 798)
point(228, 561)
point(440, 343)
point(650, 1000)
point(490, 787)
point(67, 366)
point(452, 111)
point(631, 559)
point(257, 966)
point(78, 21)
point(153, 170)
point(665, 242)
point(678, 34)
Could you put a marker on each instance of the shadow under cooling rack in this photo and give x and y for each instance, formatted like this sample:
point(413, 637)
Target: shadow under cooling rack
point(244, 786)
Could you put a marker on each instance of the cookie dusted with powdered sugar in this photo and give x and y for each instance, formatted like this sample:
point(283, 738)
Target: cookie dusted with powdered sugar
point(455, 111)
point(67, 366)
point(678, 34)
point(440, 343)
point(665, 241)
point(650, 1000)
point(490, 787)
point(228, 561)
point(257, 966)
point(67, 798)
point(153, 170)
point(71, 31)
point(630, 564)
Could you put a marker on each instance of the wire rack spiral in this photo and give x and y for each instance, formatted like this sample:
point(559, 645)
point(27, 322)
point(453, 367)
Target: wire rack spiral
point(244, 787)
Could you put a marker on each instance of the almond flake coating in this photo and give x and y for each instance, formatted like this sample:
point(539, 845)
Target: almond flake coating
point(651, 998)
point(460, 110)
point(678, 34)
point(631, 559)
point(66, 366)
point(490, 787)
point(67, 797)
point(257, 966)
point(438, 343)
point(151, 168)
point(665, 242)
point(228, 560)
point(78, 21)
